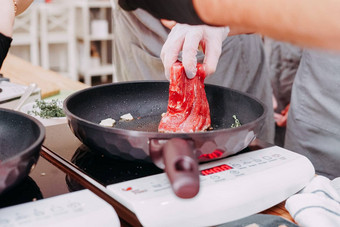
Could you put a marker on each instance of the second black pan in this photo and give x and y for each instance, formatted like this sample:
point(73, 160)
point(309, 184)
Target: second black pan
point(21, 137)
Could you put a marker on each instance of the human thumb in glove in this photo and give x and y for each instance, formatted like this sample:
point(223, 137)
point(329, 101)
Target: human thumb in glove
point(187, 38)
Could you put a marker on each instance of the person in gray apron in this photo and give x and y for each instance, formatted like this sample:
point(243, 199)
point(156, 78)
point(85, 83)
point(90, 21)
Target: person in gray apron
point(139, 38)
point(313, 127)
point(283, 61)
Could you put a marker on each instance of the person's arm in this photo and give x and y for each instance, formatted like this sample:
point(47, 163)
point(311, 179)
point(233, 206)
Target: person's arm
point(8, 10)
point(308, 23)
point(304, 22)
point(233, 30)
point(7, 14)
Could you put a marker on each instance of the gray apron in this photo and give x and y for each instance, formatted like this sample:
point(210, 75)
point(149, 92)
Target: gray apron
point(313, 127)
point(283, 62)
point(139, 38)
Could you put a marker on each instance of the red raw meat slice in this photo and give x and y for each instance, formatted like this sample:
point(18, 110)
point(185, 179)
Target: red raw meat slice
point(188, 107)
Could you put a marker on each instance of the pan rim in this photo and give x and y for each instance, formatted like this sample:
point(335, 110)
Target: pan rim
point(35, 144)
point(120, 131)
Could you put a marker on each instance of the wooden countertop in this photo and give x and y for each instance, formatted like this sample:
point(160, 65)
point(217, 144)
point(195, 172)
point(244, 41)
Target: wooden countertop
point(51, 83)
point(279, 210)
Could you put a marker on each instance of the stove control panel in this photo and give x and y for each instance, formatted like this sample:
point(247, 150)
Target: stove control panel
point(81, 208)
point(230, 189)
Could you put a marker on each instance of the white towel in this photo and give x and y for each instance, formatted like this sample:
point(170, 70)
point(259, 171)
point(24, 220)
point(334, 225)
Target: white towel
point(317, 205)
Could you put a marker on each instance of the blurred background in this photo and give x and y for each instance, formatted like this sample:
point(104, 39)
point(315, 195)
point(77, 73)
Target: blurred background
point(73, 38)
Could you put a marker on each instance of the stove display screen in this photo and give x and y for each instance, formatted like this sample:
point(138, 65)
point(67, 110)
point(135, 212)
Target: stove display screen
point(215, 169)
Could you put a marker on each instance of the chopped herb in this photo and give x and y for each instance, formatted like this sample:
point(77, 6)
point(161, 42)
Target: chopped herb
point(237, 122)
point(46, 110)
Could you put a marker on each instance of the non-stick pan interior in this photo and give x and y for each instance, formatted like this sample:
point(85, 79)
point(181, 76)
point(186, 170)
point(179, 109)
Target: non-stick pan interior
point(17, 133)
point(146, 101)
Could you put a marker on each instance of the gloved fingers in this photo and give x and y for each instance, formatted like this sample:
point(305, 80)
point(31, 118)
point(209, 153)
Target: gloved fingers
point(212, 43)
point(169, 58)
point(188, 38)
point(283, 121)
point(281, 118)
point(189, 52)
point(171, 48)
point(212, 51)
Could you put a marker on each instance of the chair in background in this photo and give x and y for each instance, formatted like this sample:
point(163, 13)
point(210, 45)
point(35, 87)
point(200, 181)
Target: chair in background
point(94, 38)
point(25, 35)
point(57, 30)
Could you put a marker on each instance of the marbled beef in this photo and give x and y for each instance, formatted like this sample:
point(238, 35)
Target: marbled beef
point(188, 108)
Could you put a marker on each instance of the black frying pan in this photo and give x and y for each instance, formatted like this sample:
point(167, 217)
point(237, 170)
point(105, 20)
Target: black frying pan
point(138, 139)
point(21, 137)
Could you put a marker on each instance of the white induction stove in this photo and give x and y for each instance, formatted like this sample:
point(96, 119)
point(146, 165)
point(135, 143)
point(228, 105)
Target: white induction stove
point(230, 189)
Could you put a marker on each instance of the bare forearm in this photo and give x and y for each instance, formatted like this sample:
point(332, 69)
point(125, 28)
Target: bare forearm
point(7, 17)
point(311, 23)
point(8, 10)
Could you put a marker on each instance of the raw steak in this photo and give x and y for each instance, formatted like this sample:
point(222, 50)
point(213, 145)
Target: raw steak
point(188, 107)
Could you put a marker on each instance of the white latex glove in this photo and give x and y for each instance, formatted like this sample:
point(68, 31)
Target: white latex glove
point(187, 38)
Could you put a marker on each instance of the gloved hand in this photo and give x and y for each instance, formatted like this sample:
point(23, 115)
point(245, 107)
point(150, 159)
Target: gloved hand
point(281, 119)
point(187, 39)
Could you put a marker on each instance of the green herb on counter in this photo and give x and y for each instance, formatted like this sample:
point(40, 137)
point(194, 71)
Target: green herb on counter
point(47, 110)
point(237, 122)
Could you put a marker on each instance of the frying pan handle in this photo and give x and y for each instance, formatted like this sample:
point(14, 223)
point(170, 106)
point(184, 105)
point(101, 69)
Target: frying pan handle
point(181, 167)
